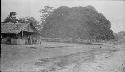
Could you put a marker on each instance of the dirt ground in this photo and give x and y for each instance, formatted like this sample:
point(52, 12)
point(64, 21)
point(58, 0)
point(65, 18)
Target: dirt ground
point(62, 57)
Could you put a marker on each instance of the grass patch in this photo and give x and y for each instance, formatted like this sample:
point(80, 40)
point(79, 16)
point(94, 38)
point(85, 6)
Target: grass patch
point(49, 47)
point(57, 47)
point(32, 47)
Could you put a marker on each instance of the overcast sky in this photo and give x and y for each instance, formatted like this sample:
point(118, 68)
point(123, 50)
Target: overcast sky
point(112, 10)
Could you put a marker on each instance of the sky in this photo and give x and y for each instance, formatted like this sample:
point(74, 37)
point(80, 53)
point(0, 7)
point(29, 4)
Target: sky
point(112, 10)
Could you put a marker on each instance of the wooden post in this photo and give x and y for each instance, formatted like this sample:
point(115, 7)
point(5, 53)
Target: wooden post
point(22, 34)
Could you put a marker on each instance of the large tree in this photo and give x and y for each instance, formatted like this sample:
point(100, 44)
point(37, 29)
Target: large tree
point(77, 22)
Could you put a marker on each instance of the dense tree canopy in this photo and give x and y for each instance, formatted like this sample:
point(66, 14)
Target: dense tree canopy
point(77, 22)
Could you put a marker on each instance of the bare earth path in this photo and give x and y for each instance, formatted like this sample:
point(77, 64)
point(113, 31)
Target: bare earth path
point(62, 57)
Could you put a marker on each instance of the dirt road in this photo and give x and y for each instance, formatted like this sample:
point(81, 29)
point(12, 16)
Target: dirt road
point(62, 57)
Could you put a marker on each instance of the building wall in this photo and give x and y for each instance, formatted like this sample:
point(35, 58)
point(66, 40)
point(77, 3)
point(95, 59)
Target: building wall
point(25, 40)
point(18, 41)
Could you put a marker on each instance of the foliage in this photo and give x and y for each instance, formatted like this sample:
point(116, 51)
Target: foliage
point(11, 18)
point(77, 22)
point(22, 20)
point(31, 20)
point(120, 36)
point(46, 11)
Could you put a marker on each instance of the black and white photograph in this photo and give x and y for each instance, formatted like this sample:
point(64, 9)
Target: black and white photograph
point(62, 36)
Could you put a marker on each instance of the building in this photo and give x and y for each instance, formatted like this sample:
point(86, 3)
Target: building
point(19, 33)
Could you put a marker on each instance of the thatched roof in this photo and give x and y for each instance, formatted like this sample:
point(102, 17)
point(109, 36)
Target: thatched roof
point(17, 27)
